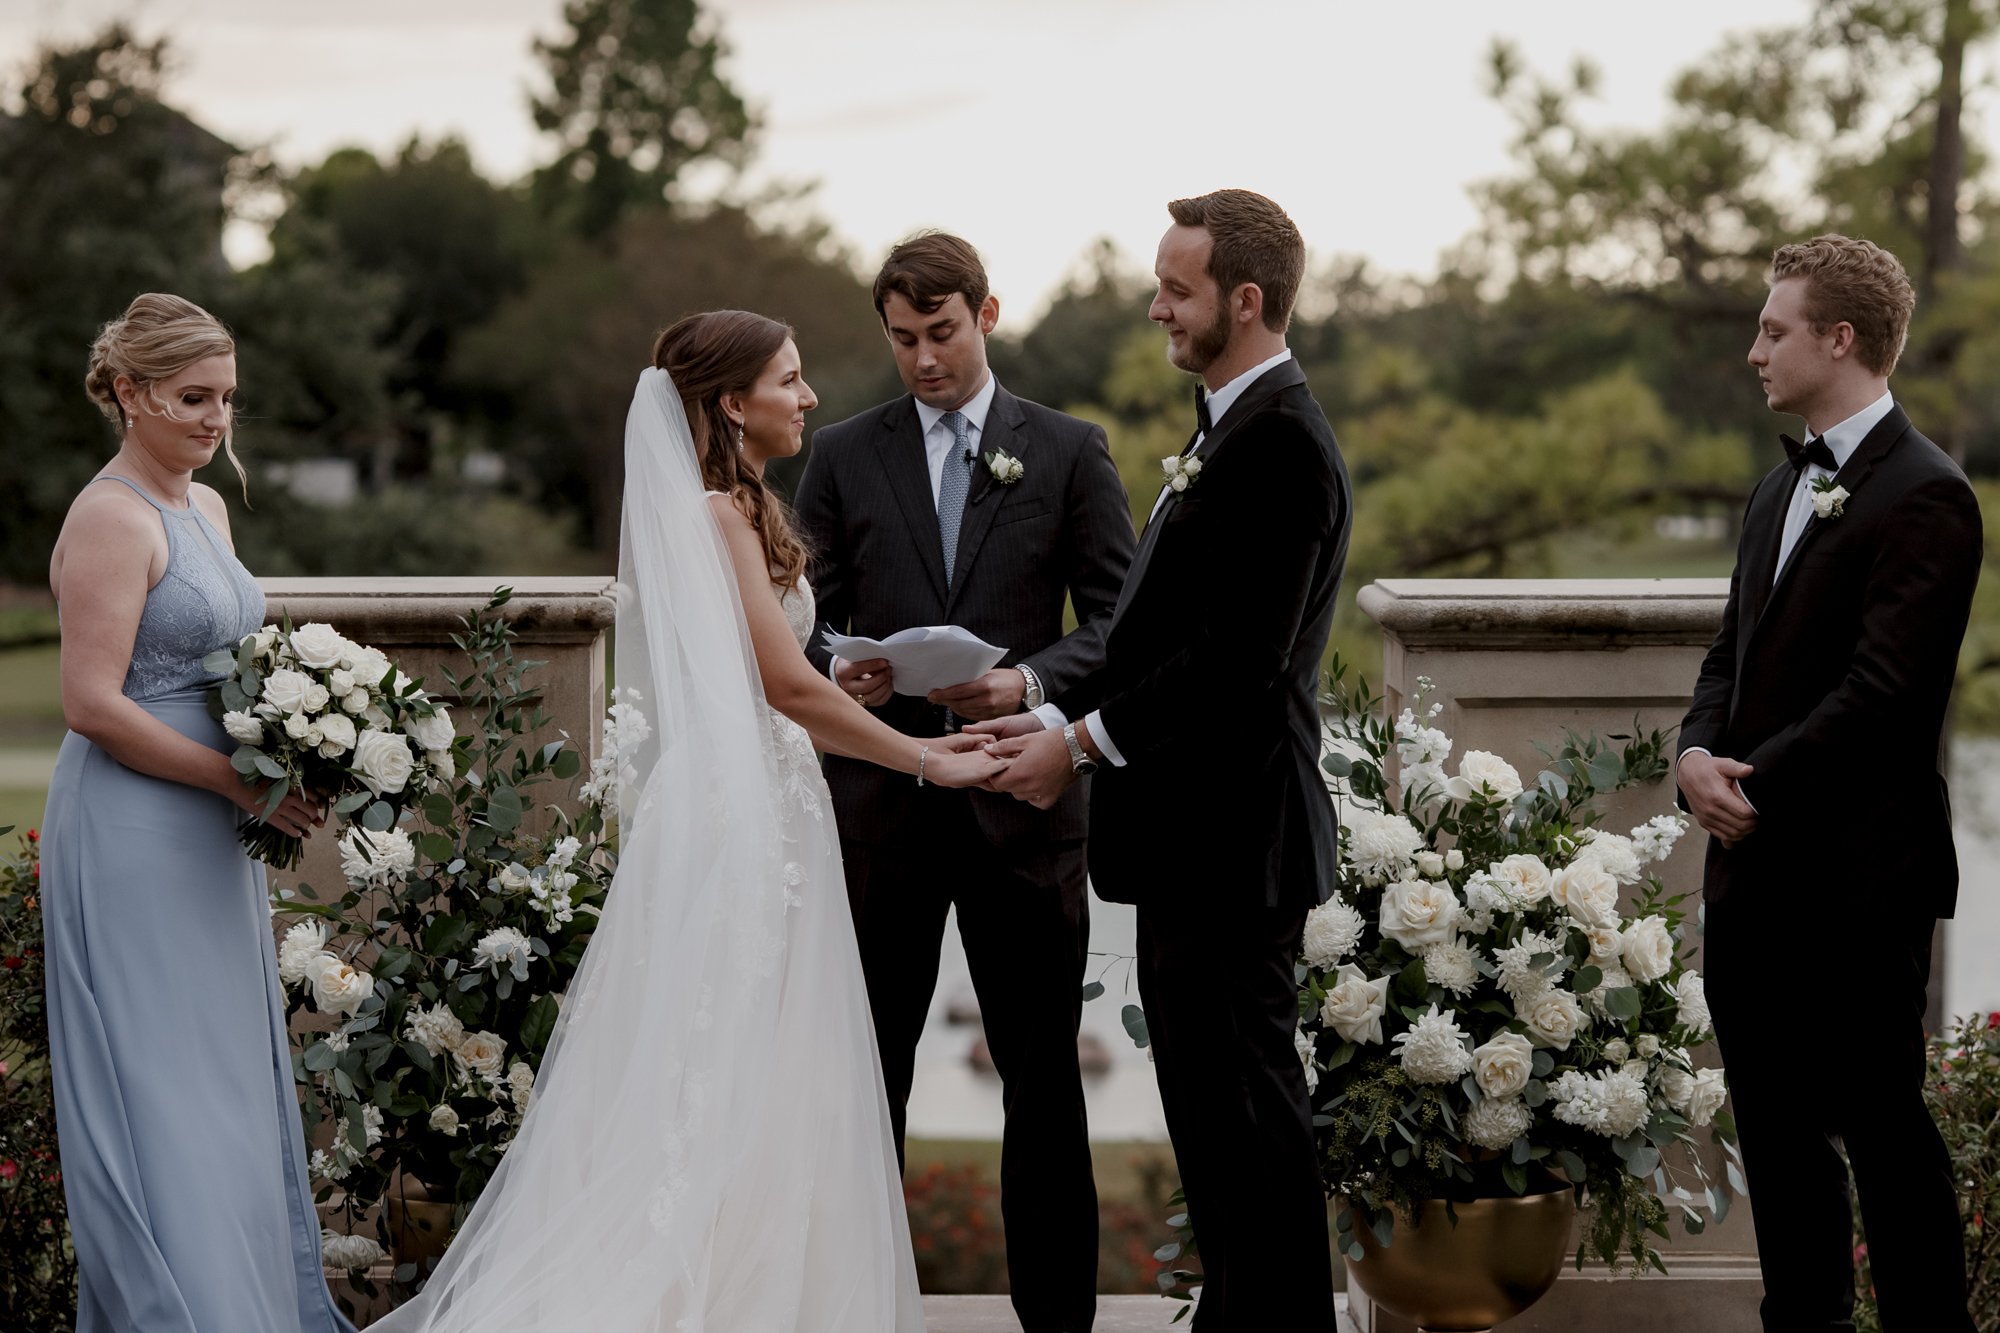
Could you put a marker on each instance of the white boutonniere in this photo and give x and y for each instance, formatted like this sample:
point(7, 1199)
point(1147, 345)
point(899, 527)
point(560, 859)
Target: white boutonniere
point(1181, 470)
point(1829, 500)
point(1006, 468)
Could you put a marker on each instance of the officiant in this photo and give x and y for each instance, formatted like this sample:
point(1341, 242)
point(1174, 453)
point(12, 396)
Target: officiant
point(961, 504)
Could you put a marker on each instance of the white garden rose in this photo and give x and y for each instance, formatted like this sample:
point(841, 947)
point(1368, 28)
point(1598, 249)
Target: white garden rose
point(318, 646)
point(340, 682)
point(316, 697)
point(243, 728)
point(520, 1084)
point(1434, 1048)
point(382, 761)
point(1553, 1018)
point(433, 732)
point(297, 725)
point(481, 1053)
point(1676, 1085)
point(1380, 843)
point(1648, 949)
point(1524, 878)
point(1616, 1051)
point(445, 1121)
point(1705, 1098)
point(376, 858)
point(1430, 865)
point(1418, 912)
point(1355, 1005)
point(1587, 892)
point(1489, 775)
point(340, 1251)
point(355, 703)
point(1504, 1064)
point(337, 731)
point(1606, 943)
point(367, 665)
point(1692, 994)
point(1648, 1045)
point(1332, 929)
point(300, 949)
point(1496, 1122)
point(1454, 860)
point(337, 986)
point(265, 639)
point(515, 878)
point(436, 1029)
point(285, 689)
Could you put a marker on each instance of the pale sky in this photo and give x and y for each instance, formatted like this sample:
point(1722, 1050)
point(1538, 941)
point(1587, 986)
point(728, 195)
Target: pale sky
point(1032, 127)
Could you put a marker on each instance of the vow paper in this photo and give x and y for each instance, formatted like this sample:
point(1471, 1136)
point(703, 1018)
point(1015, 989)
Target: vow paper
point(925, 659)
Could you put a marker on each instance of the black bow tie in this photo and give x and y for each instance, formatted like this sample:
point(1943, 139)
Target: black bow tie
point(1812, 451)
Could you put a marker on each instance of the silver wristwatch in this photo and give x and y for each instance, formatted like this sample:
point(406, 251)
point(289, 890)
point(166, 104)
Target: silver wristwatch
point(1032, 697)
point(1079, 762)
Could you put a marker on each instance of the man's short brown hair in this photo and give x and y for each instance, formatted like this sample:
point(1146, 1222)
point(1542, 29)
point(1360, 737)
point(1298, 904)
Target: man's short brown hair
point(1253, 240)
point(1854, 282)
point(927, 269)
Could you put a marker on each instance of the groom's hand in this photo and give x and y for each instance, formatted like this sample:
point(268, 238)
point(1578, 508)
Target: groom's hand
point(1005, 728)
point(1040, 772)
point(995, 694)
point(1709, 783)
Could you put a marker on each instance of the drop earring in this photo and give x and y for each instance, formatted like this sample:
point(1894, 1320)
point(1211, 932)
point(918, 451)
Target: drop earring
point(739, 437)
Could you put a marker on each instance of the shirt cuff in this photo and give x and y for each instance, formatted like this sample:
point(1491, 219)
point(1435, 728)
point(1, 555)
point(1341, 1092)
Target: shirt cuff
point(1050, 717)
point(1703, 749)
point(833, 667)
point(1103, 738)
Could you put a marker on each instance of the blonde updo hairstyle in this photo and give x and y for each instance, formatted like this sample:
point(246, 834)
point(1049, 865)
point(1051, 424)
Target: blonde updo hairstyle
point(157, 337)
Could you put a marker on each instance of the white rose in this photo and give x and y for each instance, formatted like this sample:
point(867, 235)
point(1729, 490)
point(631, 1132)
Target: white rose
point(1614, 852)
point(1524, 878)
point(1588, 893)
point(1648, 949)
point(1454, 860)
point(445, 1121)
point(337, 731)
point(367, 666)
point(1616, 1051)
point(1490, 772)
point(382, 761)
point(296, 726)
point(480, 1053)
point(436, 1029)
point(1417, 912)
point(1354, 1007)
point(1430, 865)
point(337, 987)
point(1553, 1018)
point(433, 732)
point(316, 698)
point(243, 728)
point(318, 646)
point(338, 1251)
point(520, 1084)
point(443, 767)
point(355, 702)
point(340, 682)
point(1706, 1096)
point(314, 737)
point(1192, 466)
point(1648, 1045)
point(1692, 994)
point(300, 949)
point(1504, 1065)
point(1605, 943)
point(285, 690)
point(1179, 482)
point(266, 638)
point(1676, 1085)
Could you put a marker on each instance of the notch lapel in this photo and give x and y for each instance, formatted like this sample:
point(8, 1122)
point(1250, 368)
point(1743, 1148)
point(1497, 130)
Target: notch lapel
point(908, 471)
point(1003, 430)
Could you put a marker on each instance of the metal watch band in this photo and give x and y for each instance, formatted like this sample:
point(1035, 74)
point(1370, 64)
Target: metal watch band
point(1032, 697)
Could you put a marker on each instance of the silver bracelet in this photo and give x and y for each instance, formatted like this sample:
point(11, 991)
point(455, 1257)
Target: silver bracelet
point(921, 757)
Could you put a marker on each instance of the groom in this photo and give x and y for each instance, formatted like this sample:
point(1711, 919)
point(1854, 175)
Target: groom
point(1810, 755)
point(1209, 810)
point(962, 504)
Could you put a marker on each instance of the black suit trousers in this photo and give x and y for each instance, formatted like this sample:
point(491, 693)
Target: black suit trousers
point(1846, 1071)
point(1221, 1010)
point(1024, 918)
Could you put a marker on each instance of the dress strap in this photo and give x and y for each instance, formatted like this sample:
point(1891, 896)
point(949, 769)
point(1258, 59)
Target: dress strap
point(140, 491)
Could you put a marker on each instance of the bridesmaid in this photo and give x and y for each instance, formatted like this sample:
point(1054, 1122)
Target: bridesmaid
point(182, 1153)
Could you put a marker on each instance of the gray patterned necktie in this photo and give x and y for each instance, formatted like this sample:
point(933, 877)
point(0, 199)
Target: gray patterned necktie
point(952, 487)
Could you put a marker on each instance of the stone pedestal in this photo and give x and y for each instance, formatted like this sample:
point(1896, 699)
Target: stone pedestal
point(1516, 662)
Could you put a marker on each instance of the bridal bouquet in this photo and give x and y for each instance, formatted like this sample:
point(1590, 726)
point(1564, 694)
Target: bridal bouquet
point(1501, 989)
point(310, 710)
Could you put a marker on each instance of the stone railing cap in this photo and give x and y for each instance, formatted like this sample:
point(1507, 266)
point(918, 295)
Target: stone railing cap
point(1518, 611)
point(402, 610)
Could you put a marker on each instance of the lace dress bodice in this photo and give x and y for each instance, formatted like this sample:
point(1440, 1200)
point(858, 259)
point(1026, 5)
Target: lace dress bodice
point(792, 746)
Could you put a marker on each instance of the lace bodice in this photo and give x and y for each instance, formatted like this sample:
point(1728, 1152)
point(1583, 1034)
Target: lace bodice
point(801, 611)
point(206, 600)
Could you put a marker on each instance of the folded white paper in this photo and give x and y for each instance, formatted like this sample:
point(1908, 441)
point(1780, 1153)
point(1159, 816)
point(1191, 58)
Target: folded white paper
point(924, 659)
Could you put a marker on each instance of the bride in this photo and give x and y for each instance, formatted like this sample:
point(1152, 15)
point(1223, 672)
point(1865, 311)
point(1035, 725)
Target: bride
point(709, 1150)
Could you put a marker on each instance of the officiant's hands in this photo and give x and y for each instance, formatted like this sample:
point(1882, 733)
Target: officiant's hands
point(995, 694)
point(1709, 783)
point(869, 682)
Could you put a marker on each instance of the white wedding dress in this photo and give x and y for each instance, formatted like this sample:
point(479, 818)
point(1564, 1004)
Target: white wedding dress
point(708, 1150)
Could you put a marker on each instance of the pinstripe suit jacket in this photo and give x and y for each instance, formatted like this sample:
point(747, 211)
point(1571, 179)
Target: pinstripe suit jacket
point(1063, 531)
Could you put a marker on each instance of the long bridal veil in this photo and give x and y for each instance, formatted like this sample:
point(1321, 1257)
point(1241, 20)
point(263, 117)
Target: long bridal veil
point(708, 1150)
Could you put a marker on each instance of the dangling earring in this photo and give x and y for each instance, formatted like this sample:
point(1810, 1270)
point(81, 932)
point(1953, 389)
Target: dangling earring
point(739, 437)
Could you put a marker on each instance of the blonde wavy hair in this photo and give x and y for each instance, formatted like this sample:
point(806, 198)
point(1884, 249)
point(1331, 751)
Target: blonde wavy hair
point(158, 337)
point(1855, 282)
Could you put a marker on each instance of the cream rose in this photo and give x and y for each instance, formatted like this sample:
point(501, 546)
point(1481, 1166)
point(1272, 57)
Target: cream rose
point(1417, 912)
point(1489, 774)
point(318, 645)
point(285, 689)
point(445, 1121)
point(1354, 1007)
point(1588, 893)
point(1605, 943)
point(337, 987)
point(1504, 1065)
point(367, 666)
point(382, 761)
point(1706, 1096)
point(433, 732)
point(1553, 1018)
point(481, 1053)
point(1523, 877)
point(1648, 949)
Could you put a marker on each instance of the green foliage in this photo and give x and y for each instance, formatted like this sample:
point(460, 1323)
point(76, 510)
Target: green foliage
point(37, 1265)
point(405, 530)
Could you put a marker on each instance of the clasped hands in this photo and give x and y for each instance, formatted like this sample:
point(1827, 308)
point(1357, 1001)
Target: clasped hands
point(1717, 803)
point(1035, 763)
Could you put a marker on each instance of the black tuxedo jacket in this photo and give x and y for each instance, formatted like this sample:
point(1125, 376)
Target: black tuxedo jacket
point(1832, 682)
point(1210, 688)
point(1063, 530)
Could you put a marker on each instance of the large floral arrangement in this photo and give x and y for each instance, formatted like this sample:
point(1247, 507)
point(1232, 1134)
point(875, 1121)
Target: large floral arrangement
point(440, 967)
point(37, 1264)
point(1500, 989)
point(311, 710)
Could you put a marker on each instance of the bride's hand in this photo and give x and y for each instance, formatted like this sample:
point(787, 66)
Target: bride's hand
point(957, 743)
point(965, 768)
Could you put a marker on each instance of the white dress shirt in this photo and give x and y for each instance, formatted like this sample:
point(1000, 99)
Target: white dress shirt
point(1219, 403)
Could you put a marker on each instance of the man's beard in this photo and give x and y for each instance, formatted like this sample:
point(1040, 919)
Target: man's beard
point(1204, 345)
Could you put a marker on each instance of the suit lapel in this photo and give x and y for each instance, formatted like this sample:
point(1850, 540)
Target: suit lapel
point(908, 470)
point(1003, 430)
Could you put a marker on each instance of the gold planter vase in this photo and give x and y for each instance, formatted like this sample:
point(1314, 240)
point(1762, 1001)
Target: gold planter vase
point(1501, 1258)
point(419, 1226)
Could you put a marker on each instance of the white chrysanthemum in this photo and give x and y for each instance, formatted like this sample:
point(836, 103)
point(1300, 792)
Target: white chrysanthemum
point(1453, 965)
point(376, 858)
point(1380, 843)
point(1647, 949)
point(1692, 993)
point(1614, 853)
point(1304, 1046)
point(1496, 1122)
point(1417, 913)
point(1434, 1049)
point(1520, 976)
point(1419, 744)
point(503, 946)
point(1654, 840)
point(1332, 930)
point(1613, 1104)
point(339, 1251)
point(1553, 1017)
point(300, 949)
point(436, 1029)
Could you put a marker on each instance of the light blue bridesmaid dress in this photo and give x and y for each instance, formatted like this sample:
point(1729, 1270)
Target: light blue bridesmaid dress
point(182, 1154)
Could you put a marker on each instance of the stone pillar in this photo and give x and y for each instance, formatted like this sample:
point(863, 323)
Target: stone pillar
point(1515, 662)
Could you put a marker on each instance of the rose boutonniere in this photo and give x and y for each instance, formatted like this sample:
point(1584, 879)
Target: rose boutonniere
point(1829, 500)
point(1006, 468)
point(1181, 470)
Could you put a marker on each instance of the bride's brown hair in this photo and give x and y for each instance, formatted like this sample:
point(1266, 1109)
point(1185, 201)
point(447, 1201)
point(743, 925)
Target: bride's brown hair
point(721, 352)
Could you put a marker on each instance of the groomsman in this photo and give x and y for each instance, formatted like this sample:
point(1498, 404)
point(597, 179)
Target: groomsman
point(1209, 809)
point(961, 504)
point(1810, 755)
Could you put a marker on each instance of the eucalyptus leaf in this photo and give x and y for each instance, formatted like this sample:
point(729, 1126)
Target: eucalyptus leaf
point(1134, 1019)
